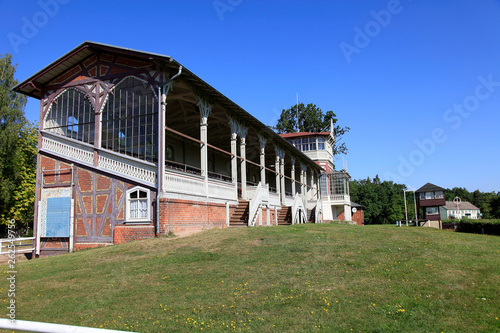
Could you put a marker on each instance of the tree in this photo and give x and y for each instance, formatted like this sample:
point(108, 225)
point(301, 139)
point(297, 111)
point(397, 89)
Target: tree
point(22, 208)
point(383, 201)
point(311, 119)
point(11, 122)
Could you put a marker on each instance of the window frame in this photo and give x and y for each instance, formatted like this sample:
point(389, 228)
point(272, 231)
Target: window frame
point(433, 208)
point(139, 220)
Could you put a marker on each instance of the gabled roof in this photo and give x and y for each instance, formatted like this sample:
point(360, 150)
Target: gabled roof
point(464, 205)
point(430, 188)
point(357, 205)
point(31, 86)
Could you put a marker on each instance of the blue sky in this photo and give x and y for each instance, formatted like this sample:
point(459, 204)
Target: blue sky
point(417, 81)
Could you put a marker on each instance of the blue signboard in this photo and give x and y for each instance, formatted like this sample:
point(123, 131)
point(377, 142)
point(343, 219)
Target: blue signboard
point(58, 217)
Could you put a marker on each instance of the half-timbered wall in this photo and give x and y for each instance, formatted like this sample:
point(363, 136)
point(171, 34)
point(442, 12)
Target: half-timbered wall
point(99, 206)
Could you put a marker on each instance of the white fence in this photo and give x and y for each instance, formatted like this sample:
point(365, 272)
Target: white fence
point(33, 326)
point(22, 245)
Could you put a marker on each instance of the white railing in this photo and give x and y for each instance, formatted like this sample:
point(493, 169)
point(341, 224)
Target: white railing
point(187, 184)
point(341, 198)
point(254, 206)
point(318, 212)
point(219, 190)
point(274, 199)
point(81, 152)
point(288, 201)
point(251, 190)
point(66, 148)
point(21, 245)
point(128, 167)
point(298, 210)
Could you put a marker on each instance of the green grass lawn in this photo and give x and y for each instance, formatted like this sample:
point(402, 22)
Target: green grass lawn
point(302, 278)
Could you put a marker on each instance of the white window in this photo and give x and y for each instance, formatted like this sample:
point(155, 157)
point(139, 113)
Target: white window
point(431, 210)
point(439, 195)
point(138, 205)
point(429, 195)
point(321, 143)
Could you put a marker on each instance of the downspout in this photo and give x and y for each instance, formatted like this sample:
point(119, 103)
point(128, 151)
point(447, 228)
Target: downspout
point(159, 177)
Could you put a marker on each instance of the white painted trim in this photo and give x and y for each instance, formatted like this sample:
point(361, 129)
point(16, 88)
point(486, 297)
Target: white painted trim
point(128, 219)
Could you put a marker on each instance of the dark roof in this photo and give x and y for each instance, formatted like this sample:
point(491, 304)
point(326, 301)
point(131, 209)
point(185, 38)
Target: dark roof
point(31, 86)
point(430, 188)
point(357, 205)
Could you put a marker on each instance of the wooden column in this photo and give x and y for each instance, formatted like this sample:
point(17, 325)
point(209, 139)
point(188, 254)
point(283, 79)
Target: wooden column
point(277, 169)
point(234, 164)
point(303, 169)
point(243, 168)
point(282, 177)
point(262, 141)
point(205, 109)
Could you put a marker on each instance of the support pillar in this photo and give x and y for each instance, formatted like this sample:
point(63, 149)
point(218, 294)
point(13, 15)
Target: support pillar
point(204, 152)
point(277, 169)
point(234, 164)
point(282, 178)
point(238, 129)
point(161, 136)
point(205, 109)
point(262, 141)
point(303, 188)
point(312, 185)
point(268, 215)
point(243, 168)
point(293, 175)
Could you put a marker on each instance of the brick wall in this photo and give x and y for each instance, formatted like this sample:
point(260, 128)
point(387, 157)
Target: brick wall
point(183, 215)
point(128, 233)
point(359, 216)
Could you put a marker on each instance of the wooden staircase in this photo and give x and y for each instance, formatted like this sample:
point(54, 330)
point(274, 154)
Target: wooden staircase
point(311, 215)
point(240, 216)
point(285, 216)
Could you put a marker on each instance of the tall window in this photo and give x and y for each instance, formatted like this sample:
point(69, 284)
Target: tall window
point(138, 205)
point(321, 143)
point(323, 183)
point(129, 120)
point(72, 115)
point(337, 184)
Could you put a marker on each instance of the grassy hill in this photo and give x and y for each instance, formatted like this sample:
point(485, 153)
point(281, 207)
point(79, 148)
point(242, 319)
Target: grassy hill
point(302, 278)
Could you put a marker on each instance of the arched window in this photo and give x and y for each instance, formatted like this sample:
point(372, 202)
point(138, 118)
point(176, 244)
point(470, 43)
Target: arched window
point(71, 115)
point(138, 205)
point(129, 120)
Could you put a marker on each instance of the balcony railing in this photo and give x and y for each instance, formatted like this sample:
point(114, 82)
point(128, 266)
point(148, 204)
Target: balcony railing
point(338, 199)
point(125, 166)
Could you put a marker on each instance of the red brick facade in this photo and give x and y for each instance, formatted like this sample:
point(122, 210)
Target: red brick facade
point(359, 216)
point(128, 233)
point(182, 215)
